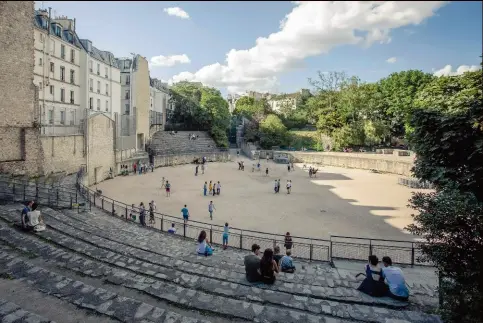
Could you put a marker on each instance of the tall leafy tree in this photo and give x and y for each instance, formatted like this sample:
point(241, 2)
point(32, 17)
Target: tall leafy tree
point(448, 140)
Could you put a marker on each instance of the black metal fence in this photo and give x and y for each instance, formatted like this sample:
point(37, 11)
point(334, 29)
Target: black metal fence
point(312, 249)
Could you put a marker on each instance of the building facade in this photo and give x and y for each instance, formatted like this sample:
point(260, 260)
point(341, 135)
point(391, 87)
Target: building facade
point(101, 80)
point(57, 51)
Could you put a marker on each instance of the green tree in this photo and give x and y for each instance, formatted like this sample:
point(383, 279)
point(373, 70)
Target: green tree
point(448, 140)
point(399, 91)
point(272, 132)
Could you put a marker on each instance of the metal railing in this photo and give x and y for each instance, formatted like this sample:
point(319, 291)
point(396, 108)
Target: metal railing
point(306, 248)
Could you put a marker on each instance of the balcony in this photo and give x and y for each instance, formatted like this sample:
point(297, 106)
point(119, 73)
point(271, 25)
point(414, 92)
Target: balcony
point(90, 69)
point(127, 96)
point(71, 101)
point(72, 81)
point(128, 82)
point(72, 60)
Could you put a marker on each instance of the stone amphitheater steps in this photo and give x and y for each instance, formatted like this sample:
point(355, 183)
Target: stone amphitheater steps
point(47, 308)
point(151, 241)
point(84, 296)
point(151, 278)
point(11, 312)
point(163, 142)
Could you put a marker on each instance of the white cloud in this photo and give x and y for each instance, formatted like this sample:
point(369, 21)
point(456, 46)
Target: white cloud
point(310, 29)
point(168, 61)
point(391, 60)
point(448, 70)
point(177, 12)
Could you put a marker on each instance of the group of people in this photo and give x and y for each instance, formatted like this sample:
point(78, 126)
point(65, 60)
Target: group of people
point(202, 169)
point(193, 136)
point(142, 213)
point(264, 269)
point(142, 168)
point(31, 220)
point(212, 188)
point(241, 165)
point(276, 187)
point(313, 171)
point(386, 281)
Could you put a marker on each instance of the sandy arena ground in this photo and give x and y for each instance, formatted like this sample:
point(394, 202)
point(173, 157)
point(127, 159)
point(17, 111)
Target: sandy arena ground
point(340, 201)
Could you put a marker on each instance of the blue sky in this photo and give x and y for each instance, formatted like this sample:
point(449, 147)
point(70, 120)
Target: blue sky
point(447, 34)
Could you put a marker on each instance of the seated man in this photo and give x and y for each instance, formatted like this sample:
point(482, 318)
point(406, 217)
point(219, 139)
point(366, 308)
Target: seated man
point(35, 223)
point(24, 219)
point(252, 265)
point(172, 229)
point(286, 263)
point(394, 279)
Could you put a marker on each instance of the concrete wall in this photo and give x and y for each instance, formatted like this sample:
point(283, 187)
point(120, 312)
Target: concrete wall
point(400, 165)
point(161, 161)
point(101, 148)
point(19, 138)
point(63, 153)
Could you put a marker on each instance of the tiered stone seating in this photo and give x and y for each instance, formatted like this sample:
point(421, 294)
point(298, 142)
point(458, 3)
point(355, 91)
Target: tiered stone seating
point(164, 143)
point(11, 312)
point(166, 281)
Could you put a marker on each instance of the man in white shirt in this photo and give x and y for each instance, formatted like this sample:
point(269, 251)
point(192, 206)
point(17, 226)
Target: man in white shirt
point(35, 221)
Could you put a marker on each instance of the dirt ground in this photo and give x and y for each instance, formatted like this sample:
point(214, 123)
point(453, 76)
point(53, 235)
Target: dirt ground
point(340, 201)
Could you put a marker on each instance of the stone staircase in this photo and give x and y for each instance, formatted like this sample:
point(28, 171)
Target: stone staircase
point(164, 143)
point(121, 271)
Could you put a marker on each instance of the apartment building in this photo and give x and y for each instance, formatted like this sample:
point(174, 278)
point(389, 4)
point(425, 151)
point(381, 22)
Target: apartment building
point(160, 102)
point(135, 94)
point(101, 79)
point(57, 74)
point(283, 102)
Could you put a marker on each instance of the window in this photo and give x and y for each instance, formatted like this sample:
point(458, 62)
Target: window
point(62, 51)
point(52, 50)
point(62, 95)
point(51, 117)
point(72, 97)
point(62, 117)
point(52, 67)
point(127, 110)
point(91, 85)
point(98, 104)
point(98, 86)
point(72, 118)
point(105, 71)
point(72, 56)
point(90, 66)
point(72, 76)
point(52, 89)
point(57, 30)
point(127, 95)
point(107, 89)
point(40, 61)
point(107, 106)
point(128, 79)
point(98, 69)
point(91, 103)
point(62, 73)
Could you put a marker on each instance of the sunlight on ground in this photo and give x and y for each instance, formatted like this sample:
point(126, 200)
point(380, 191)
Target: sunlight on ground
point(339, 201)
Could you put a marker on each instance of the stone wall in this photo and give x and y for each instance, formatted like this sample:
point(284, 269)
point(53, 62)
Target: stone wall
point(101, 148)
point(19, 137)
point(400, 165)
point(141, 100)
point(161, 161)
point(63, 153)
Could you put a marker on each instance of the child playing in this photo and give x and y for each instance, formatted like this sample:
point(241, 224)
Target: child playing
point(226, 230)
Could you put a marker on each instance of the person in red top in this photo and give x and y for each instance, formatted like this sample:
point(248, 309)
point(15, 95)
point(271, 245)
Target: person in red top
point(134, 167)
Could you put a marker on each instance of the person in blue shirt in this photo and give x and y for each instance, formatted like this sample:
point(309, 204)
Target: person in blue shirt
point(186, 213)
point(24, 216)
point(286, 263)
point(226, 231)
point(394, 279)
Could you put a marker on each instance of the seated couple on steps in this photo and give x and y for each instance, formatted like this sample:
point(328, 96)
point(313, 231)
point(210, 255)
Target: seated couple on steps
point(386, 281)
point(31, 220)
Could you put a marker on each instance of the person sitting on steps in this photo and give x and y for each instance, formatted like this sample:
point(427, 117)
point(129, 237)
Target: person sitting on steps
point(373, 284)
point(394, 278)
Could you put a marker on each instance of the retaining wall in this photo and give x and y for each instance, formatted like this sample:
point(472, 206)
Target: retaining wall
point(400, 165)
point(173, 160)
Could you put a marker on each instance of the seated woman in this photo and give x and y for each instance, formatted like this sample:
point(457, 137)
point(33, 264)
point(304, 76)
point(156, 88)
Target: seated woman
point(35, 222)
point(204, 248)
point(268, 267)
point(373, 284)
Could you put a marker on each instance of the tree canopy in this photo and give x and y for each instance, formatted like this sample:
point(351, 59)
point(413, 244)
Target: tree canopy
point(198, 107)
point(447, 136)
